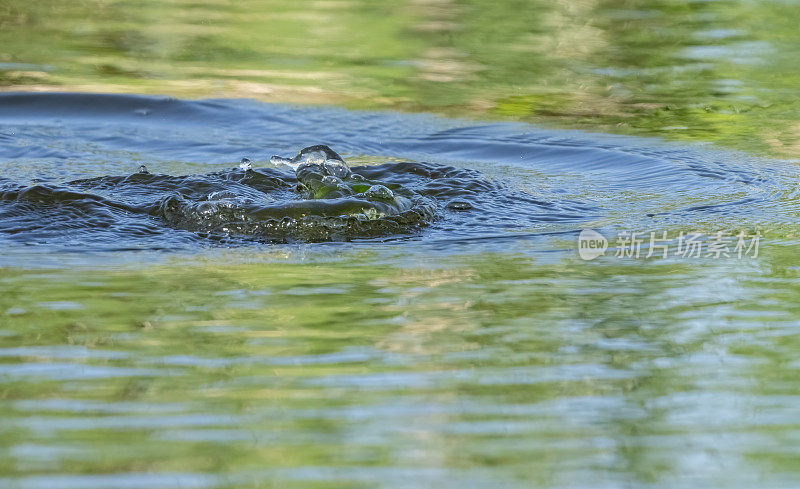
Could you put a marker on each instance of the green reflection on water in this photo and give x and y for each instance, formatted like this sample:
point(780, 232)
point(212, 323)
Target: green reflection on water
point(491, 369)
point(724, 72)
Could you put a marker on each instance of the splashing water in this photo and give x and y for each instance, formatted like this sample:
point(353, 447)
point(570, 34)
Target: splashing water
point(322, 199)
point(325, 203)
point(507, 180)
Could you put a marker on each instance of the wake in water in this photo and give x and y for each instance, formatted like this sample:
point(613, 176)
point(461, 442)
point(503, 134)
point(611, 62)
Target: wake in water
point(320, 199)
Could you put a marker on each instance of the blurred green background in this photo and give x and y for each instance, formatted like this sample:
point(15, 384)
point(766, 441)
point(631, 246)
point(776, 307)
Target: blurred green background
point(725, 72)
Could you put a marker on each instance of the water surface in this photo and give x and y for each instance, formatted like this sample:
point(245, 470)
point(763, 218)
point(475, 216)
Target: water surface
point(477, 350)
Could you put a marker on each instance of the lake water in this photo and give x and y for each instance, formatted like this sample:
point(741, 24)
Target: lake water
point(725, 71)
point(477, 351)
point(162, 329)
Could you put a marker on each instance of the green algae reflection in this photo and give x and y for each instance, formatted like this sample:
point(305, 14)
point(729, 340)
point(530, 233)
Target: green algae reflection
point(724, 72)
point(351, 373)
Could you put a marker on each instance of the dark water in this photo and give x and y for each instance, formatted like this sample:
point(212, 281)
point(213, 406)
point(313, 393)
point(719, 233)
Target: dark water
point(260, 200)
point(173, 329)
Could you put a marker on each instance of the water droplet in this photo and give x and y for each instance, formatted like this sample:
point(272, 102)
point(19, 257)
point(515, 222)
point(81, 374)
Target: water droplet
point(245, 165)
point(143, 170)
point(288, 222)
point(316, 154)
point(206, 209)
point(310, 158)
point(357, 178)
point(331, 180)
point(280, 160)
point(379, 192)
point(337, 168)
